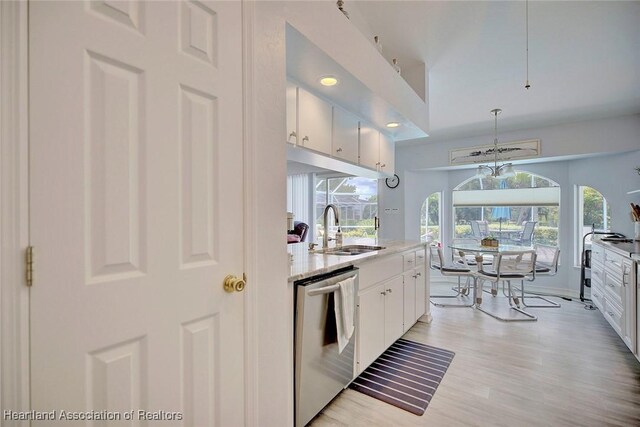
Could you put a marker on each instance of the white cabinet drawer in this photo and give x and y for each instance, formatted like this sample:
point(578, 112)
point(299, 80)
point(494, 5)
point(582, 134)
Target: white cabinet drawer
point(613, 289)
point(597, 276)
point(597, 253)
point(409, 260)
point(614, 317)
point(613, 264)
point(380, 269)
point(421, 257)
point(597, 296)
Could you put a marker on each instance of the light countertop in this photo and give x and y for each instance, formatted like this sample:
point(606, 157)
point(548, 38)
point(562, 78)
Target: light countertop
point(306, 264)
point(631, 250)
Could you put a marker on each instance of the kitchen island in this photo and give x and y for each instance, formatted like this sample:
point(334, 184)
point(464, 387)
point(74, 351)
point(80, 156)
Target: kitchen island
point(393, 291)
point(306, 263)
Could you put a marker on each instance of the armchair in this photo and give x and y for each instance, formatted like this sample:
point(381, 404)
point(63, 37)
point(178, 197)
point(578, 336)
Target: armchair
point(301, 229)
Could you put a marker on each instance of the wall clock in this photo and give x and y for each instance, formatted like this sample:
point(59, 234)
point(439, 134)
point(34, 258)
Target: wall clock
point(392, 182)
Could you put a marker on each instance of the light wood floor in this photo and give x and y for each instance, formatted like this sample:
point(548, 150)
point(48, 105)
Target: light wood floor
point(567, 369)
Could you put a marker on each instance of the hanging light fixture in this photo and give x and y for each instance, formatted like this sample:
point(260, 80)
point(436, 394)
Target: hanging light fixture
point(527, 85)
point(497, 171)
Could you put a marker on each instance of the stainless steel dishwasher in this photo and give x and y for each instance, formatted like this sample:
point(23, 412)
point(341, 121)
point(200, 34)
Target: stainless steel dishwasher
point(320, 371)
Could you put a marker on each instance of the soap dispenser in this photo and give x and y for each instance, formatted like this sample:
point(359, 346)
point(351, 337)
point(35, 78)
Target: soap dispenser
point(339, 238)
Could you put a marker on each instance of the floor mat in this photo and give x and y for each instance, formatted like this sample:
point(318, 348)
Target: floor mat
point(406, 375)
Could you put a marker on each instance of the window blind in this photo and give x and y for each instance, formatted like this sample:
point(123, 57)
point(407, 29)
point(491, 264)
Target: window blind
point(549, 196)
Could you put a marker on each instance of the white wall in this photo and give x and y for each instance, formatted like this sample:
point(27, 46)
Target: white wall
point(613, 135)
point(610, 172)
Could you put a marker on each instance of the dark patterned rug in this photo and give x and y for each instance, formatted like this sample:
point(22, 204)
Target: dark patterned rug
point(406, 375)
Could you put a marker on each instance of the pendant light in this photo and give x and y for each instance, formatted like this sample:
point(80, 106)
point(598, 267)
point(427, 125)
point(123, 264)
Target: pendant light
point(497, 171)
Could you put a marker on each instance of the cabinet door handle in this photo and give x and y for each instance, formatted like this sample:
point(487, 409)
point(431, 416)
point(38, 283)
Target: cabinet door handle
point(383, 293)
point(306, 138)
point(293, 135)
point(418, 274)
point(339, 150)
point(383, 166)
point(389, 290)
point(410, 261)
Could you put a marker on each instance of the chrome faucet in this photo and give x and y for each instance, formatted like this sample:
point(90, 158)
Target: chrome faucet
point(325, 216)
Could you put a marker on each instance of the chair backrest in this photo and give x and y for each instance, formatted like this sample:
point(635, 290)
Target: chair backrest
point(522, 262)
point(526, 235)
point(547, 256)
point(436, 259)
point(301, 229)
point(480, 229)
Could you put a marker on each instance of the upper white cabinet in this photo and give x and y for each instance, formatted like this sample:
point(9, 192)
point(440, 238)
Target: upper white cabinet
point(327, 129)
point(345, 135)
point(314, 122)
point(377, 150)
point(387, 154)
point(369, 146)
point(292, 113)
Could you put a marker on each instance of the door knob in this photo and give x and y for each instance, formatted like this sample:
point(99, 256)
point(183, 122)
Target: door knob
point(233, 283)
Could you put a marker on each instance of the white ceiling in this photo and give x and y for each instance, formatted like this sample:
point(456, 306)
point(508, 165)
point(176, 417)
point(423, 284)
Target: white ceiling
point(584, 59)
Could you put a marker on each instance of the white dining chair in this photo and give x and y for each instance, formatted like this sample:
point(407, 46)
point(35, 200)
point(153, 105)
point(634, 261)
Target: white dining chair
point(455, 269)
point(546, 265)
point(508, 266)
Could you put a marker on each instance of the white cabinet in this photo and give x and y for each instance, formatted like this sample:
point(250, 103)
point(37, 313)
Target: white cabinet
point(369, 150)
point(392, 297)
point(393, 311)
point(292, 113)
point(380, 319)
point(317, 125)
point(370, 333)
point(314, 122)
point(344, 142)
point(387, 154)
point(629, 321)
point(613, 291)
point(409, 280)
point(377, 150)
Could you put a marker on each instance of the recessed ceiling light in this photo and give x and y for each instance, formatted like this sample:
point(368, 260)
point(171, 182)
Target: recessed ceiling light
point(328, 81)
point(393, 124)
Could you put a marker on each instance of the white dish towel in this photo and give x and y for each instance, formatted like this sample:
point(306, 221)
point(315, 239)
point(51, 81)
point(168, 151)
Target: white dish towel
point(344, 301)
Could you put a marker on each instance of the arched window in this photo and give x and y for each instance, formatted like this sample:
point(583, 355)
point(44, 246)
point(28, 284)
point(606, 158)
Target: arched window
point(430, 223)
point(505, 203)
point(593, 212)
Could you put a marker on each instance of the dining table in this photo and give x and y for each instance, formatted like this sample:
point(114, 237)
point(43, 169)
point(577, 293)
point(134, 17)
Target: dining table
point(479, 251)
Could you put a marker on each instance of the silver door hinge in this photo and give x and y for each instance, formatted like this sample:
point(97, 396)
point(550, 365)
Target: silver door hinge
point(29, 266)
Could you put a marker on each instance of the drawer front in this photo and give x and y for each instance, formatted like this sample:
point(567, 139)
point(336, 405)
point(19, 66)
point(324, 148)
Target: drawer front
point(613, 264)
point(614, 317)
point(409, 259)
point(597, 276)
point(597, 296)
point(379, 269)
point(613, 289)
point(421, 257)
point(597, 253)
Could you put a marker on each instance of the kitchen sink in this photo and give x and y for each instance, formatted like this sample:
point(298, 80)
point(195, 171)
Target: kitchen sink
point(350, 250)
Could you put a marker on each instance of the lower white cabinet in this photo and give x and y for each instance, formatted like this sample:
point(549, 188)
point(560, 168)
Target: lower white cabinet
point(391, 299)
point(380, 319)
point(613, 291)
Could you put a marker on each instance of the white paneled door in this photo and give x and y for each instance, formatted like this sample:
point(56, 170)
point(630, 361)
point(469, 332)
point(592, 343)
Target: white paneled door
point(136, 210)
